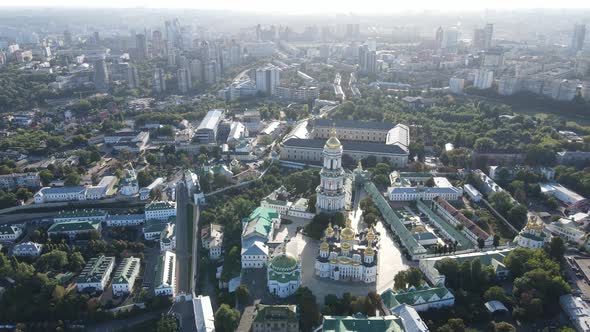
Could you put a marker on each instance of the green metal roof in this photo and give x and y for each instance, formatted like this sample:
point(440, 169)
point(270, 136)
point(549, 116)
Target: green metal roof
point(283, 262)
point(260, 221)
point(394, 298)
point(159, 206)
point(464, 242)
point(266, 313)
point(74, 225)
point(80, 213)
point(360, 323)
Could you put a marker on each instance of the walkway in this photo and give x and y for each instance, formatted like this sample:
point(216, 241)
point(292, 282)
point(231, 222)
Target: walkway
point(499, 216)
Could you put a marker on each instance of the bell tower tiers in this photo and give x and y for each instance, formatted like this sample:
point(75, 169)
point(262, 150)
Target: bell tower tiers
point(330, 193)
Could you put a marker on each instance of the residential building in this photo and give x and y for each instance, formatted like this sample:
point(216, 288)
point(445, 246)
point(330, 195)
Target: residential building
point(268, 79)
point(410, 318)
point(578, 37)
point(96, 274)
point(493, 258)
point(101, 76)
point(10, 233)
point(577, 310)
point(185, 83)
point(206, 132)
point(168, 238)
point(456, 85)
point(360, 322)
point(74, 227)
point(331, 194)
point(405, 194)
point(60, 194)
point(125, 276)
point(27, 249)
point(301, 94)
point(283, 274)
point(213, 241)
point(16, 180)
point(275, 318)
point(165, 279)
point(422, 298)
point(483, 79)
point(160, 210)
point(102, 189)
point(203, 312)
point(124, 220)
point(144, 193)
point(562, 194)
point(153, 228)
point(133, 81)
point(567, 230)
point(80, 214)
point(257, 229)
point(159, 84)
point(473, 193)
point(473, 232)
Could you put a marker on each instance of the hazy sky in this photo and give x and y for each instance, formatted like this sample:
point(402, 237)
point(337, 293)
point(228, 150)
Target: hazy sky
point(310, 6)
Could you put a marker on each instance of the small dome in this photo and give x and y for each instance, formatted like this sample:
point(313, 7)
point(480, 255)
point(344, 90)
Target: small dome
point(324, 246)
point(370, 234)
point(347, 233)
point(369, 251)
point(283, 263)
point(333, 142)
point(330, 230)
point(345, 246)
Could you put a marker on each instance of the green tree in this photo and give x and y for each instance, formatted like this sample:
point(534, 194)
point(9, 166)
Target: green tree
point(167, 324)
point(504, 327)
point(556, 248)
point(46, 177)
point(496, 293)
point(226, 318)
point(72, 179)
point(54, 260)
point(243, 294)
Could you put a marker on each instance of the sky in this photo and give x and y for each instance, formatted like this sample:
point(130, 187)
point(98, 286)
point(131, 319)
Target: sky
point(311, 6)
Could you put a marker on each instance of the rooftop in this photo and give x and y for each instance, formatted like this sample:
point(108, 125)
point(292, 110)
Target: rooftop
point(347, 146)
point(211, 120)
point(74, 226)
point(354, 124)
point(95, 269)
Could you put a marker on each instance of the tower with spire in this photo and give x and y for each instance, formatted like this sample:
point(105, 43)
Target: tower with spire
point(331, 196)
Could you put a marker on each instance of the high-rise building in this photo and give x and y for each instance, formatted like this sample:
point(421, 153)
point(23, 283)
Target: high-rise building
point(67, 37)
point(450, 41)
point(438, 39)
point(196, 70)
point(157, 42)
point(159, 80)
point(101, 75)
point(235, 53)
point(267, 79)
point(132, 77)
point(141, 46)
point(96, 38)
point(211, 72)
point(478, 41)
point(184, 80)
point(578, 37)
point(483, 79)
point(367, 60)
point(488, 36)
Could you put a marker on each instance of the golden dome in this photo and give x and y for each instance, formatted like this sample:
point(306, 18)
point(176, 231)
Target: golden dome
point(330, 230)
point(324, 246)
point(370, 234)
point(347, 233)
point(345, 246)
point(333, 142)
point(369, 251)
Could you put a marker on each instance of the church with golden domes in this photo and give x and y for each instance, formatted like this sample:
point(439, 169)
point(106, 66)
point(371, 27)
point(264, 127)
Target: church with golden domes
point(345, 255)
point(331, 195)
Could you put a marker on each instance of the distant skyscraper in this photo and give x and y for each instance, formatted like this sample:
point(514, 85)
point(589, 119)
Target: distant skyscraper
point(96, 37)
point(159, 80)
point(132, 77)
point(101, 75)
point(211, 72)
point(196, 70)
point(267, 79)
point(478, 41)
point(141, 46)
point(578, 38)
point(438, 39)
point(488, 36)
point(450, 41)
point(235, 53)
point(367, 60)
point(67, 37)
point(157, 42)
point(184, 80)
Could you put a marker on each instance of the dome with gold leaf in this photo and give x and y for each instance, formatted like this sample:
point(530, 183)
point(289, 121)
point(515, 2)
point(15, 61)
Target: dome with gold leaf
point(333, 142)
point(324, 246)
point(347, 233)
point(329, 230)
point(371, 234)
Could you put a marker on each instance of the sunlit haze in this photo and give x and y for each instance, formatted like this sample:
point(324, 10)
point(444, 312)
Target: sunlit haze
point(311, 6)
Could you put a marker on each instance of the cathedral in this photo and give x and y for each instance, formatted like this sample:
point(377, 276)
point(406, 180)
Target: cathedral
point(347, 256)
point(331, 195)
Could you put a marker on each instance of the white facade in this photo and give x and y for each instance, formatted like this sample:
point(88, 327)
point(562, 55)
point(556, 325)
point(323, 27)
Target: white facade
point(125, 276)
point(203, 312)
point(96, 273)
point(10, 233)
point(331, 196)
point(473, 193)
point(124, 220)
point(401, 194)
point(567, 230)
point(27, 249)
point(165, 281)
point(255, 256)
point(456, 85)
point(483, 79)
point(531, 236)
point(267, 79)
point(160, 210)
point(63, 194)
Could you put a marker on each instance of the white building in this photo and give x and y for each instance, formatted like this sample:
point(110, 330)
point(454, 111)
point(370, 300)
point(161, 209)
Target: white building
point(27, 249)
point(456, 85)
point(483, 79)
point(283, 274)
point(60, 194)
point(213, 241)
point(342, 257)
point(203, 312)
point(128, 185)
point(410, 317)
point(16, 180)
point(80, 214)
point(532, 235)
point(268, 79)
point(144, 193)
point(165, 280)
point(125, 276)
point(567, 230)
point(124, 220)
point(168, 238)
point(561, 193)
point(577, 310)
point(9, 233)
point(160, 210)
point(331, 196)
point(257, 229)
point(96, 274)
point(400, 194)
point(473, 193)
